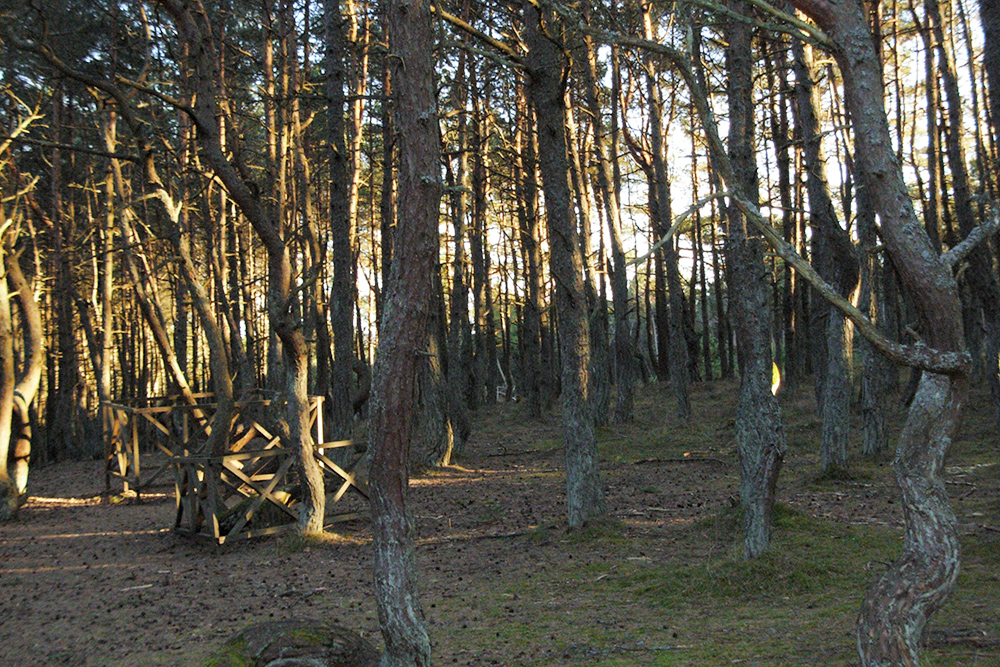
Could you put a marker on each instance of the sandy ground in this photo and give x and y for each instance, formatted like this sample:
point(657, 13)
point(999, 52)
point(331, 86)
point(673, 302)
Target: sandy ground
point(87, 581)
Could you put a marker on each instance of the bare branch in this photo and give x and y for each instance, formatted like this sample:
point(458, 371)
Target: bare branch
point(478, 34)
point(676, 227)
point(789, 25)
point(22, 127)
point(149, 90)
point(72, 147)
point(917, 356)
point(988, 228)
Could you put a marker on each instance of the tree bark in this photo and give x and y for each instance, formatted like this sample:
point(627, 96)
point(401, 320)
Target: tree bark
point(836, 261)
point(404, 331)
point(547, 67)
point(896, 609)
point(760, 436)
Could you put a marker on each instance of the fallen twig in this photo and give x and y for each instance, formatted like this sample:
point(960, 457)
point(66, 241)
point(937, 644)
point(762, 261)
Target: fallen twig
point(682, 459)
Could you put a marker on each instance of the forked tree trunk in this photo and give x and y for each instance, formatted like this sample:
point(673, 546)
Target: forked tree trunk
point(194, 29)
point(897, 607)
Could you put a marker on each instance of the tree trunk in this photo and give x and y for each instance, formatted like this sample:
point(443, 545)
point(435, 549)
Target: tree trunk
point(459, 348)
point(673, 328)
point(623, 360)
point(875, 370)
point(527, 190)
point(897, 607)
point(547, 66)
point(484, 332)
point(194, 30)
point(404, 331)
point(9, 497)
point(341, 227)
point(30, 375)
point(989, 16)
point(760, 436)
point(836, 261)
point(433, 442)
point(981, 279)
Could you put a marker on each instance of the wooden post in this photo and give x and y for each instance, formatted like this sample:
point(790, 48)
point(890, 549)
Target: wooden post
point(135, 454)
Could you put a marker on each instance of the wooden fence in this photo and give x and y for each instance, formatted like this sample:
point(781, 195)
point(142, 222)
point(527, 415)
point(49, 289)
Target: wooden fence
point(249, 491)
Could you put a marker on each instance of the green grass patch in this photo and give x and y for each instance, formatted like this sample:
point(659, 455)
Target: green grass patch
point(811, 557)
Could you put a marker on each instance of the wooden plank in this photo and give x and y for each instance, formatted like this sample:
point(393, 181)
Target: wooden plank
point(211, 502)
point(250, 454)
point(348, 477)
point(346, 516)
point(250, 482)
point(178, 495)
point(265, 495)
point(335, 444)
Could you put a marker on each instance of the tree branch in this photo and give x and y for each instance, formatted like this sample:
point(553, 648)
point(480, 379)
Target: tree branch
point(918, 356)
point(678, 222)
point(73, 147)
point(466, 27)
point(988, 228)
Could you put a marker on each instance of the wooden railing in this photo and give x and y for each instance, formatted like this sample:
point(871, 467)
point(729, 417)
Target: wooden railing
point(142, 438)
point(249, 491)
point(252, 493)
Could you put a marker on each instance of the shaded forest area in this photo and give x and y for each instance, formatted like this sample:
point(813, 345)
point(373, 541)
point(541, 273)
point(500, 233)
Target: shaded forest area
point(418, 212)
point(502, 581)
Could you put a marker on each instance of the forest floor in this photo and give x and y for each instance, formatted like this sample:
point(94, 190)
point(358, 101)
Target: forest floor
point(92, 581)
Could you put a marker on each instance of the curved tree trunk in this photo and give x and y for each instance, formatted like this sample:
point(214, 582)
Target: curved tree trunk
point(30, 375)
point(898, 606)
point(194, 29)
point(9, 497)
